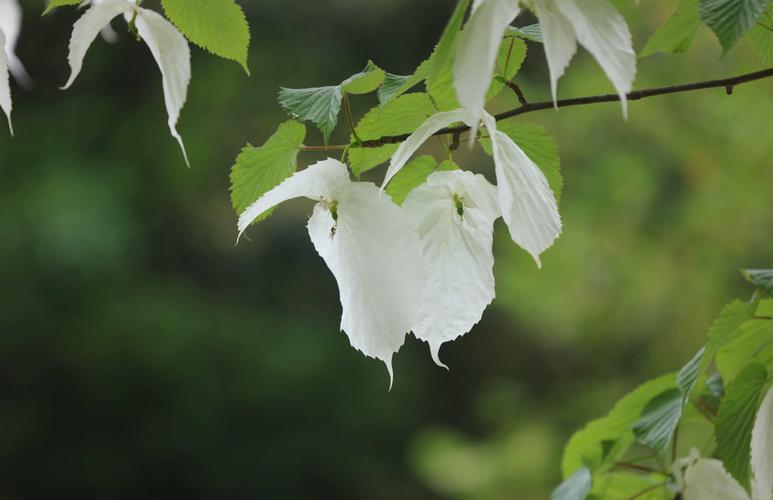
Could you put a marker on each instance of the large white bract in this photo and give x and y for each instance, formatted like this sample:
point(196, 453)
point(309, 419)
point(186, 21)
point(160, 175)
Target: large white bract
point(166, 43)
point(595, 24)
point(370, 247)
point(706, 478)
point(10, 26)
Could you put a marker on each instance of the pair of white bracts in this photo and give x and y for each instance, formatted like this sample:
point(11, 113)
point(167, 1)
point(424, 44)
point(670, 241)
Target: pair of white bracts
point(706, 478)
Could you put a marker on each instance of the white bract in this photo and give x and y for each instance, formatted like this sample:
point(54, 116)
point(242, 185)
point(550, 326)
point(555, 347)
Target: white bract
point(526, 201)
point(5, 87)
point(595, 24)
point(454, 214)
point(10, 26)
point(706, 478)
point(370, 247)
point(166, 43)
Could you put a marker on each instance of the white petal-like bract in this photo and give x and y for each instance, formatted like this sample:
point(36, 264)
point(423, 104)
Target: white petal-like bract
point(528, 205)
point(707, 479)
point(457, 249)
point(762, 450)
point(598, 27)
point(408, 147)
point(170, 50)
point(369, 245)
point(375, 255)
point(86, 29)
point(477, 51)
point(5, 88)
point(10, 25)
point(326, 178)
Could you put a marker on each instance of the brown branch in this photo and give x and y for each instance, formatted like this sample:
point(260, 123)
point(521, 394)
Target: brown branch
point(637, 468)
point(726, 83)
point(518, 93)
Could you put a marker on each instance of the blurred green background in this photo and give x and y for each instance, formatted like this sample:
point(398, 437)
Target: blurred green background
point(143, 355)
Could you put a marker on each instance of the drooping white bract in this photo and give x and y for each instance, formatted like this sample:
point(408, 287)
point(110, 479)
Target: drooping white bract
point(528, 205)
point(598, 27)
point(707, 479)
point(166, 43)
point(454, 214)
point(5, 87)
point(477, 52)
point(369, 245)
point(10, 25)
point(526, 201)
point(596, 24)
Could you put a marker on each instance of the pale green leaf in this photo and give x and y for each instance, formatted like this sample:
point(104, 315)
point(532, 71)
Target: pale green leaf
point(731, 19)
point(762, 278)
point(761, 37)
point(53, 4)
point(512, 53)
point(258, 170)
point(218, 26)
point(678, 33)
point(538, 145)
point(444, 50)
point(576, 487)
point(319, 105)
point(414, 174)
point(733, 315)
point(367, 80)
point(532, 32)
point(735, 421)
point(746, 343)
point(655, 428)
point(688, 375)
point(399, 116)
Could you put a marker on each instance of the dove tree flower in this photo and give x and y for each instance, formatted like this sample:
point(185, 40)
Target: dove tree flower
point(168, 46)
point(526, 201)
point(706, 478)
point(594, 24)
point(10, 26)
point(454, 214)
point(370, 247)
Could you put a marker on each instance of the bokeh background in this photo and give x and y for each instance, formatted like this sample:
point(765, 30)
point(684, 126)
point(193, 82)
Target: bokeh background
point(143, 355)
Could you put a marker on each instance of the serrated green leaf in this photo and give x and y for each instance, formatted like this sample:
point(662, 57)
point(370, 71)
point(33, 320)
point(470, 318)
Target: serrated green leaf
point(678, 33)
point(443, 54)
point(655, 428)
point(258, 170)
point(319, 105)
point(538, 145)
point(762, 278)
point(743, 346)
point(716, 385)
point(54, 4)
point(414, 174)
point(761, 37)
point(218, 26)
point(733, 315)
point(688, 375)
point(512, 53)
point(735, 420)
point(731, 19)
point(532, 32)
point(576, 487)
point(399, 116)
point(585, 447)
point(367, 80)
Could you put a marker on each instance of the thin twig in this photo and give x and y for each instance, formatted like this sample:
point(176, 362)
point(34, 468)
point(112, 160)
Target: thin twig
point(647, 490)
point(333, 147)
point(349, 120)
point(638, 468)
point(763, 317)
point(518, 93)
point(725, 83)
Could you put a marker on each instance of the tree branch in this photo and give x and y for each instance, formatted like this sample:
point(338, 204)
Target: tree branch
point(529, 107)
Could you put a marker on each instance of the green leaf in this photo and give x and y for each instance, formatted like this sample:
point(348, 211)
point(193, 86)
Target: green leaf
point(218, 26)
point(54, 4)
point(716, 385)
point(399, 116)
point(414, 174)
point(746, 343)
point(443, 54)
point(365, 81)
point(761, 37)
point(730, 19)
point(688, 375)
point(512, 53)
point(576, 487)
point(258, 170)
point(655, 428)
point(319, 105)
point(396, 85)
point(678, 33)
point(735, 420)
point(586, 447)
point(532, 32)
point(762, 278)
point(733, 315)
point(538, 145)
